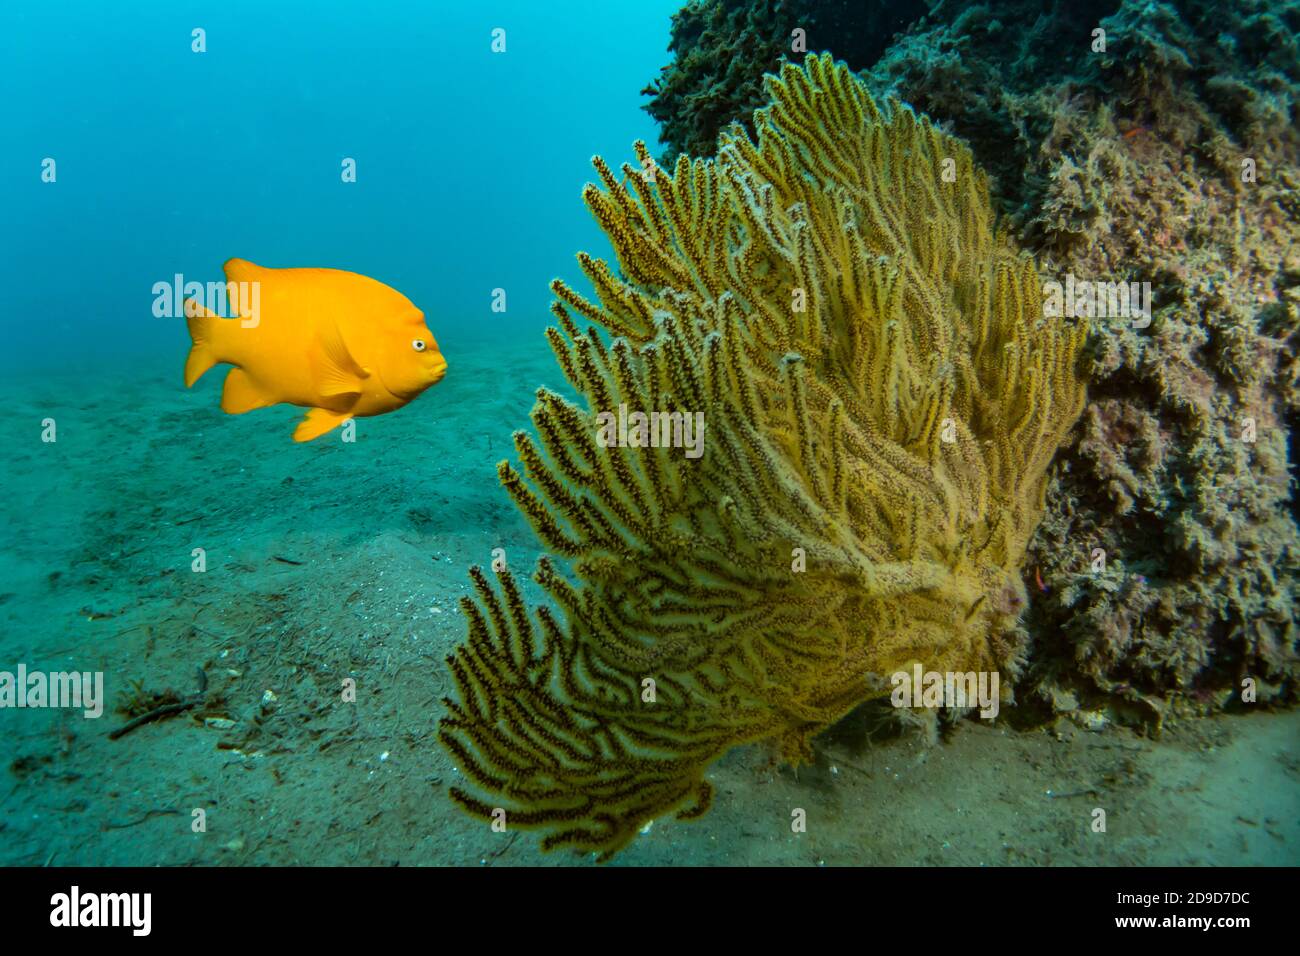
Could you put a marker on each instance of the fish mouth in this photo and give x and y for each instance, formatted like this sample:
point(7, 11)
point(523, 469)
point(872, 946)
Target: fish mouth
point(408, 394)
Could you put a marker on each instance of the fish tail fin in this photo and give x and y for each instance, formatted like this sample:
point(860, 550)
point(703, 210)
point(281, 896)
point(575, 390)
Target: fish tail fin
point(202, 325)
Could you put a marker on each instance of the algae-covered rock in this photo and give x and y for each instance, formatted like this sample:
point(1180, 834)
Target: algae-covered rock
point(722, 48)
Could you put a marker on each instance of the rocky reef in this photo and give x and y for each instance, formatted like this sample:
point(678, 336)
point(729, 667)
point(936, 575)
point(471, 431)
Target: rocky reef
point(722, 48)
point(1126, 141)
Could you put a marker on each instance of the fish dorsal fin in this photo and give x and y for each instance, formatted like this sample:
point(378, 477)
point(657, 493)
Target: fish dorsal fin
point(241, 270)
point(335, 371)
point(242, 278)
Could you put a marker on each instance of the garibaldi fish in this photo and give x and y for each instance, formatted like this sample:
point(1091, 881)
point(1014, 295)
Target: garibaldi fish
point(337, 343)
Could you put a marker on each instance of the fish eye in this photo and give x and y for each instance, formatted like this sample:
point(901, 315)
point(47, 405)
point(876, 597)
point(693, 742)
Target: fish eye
point(418, 345)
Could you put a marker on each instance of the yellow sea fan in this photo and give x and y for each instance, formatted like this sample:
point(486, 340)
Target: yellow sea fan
point(882, 397)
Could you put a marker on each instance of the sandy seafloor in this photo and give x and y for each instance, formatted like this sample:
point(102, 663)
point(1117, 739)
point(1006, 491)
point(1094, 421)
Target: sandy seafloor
point(95, 575)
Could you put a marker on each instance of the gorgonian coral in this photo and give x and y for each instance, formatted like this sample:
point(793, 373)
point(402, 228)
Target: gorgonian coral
point(882, 397)
point(1170, 156)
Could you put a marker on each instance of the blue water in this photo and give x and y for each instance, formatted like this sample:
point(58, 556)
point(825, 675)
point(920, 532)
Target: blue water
point(336, 559)
point(469, 163)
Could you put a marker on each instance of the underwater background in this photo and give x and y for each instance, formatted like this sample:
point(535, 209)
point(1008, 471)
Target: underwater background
point(332, 560)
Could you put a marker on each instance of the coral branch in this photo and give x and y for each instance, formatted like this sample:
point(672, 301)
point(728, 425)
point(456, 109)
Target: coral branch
point(881, 391)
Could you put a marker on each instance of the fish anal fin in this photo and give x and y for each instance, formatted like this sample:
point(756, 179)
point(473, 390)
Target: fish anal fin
point(317, 422)
point(335, 372)
point(241, 394)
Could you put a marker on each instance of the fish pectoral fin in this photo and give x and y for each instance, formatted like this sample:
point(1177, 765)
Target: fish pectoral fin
point(335, 371)
point(240, 394)
point(317, 422)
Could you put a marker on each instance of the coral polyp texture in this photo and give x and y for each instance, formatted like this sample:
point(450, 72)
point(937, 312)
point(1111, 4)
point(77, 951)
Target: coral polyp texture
point(1170, 154)
point(882, 397)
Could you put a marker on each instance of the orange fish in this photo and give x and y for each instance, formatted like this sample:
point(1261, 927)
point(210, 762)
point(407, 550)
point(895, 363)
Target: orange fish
point(337, 343)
